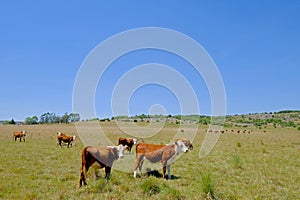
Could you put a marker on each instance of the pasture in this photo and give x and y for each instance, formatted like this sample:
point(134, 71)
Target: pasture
point(260, 165)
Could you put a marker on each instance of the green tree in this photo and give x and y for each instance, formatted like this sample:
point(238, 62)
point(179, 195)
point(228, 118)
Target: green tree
point(74, 117)
point(65, 118)
point(31, 120)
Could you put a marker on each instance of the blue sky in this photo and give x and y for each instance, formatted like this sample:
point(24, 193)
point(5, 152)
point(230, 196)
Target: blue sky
point(254, 44)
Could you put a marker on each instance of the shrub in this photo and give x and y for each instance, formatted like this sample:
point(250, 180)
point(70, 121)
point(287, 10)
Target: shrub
point(299, 128)
point(239, 144)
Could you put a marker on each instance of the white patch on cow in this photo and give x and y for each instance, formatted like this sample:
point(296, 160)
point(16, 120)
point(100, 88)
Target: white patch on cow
point(58, 133)
point(74, 137)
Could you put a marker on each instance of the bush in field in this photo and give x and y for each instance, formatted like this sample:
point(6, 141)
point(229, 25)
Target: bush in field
point(299, 128)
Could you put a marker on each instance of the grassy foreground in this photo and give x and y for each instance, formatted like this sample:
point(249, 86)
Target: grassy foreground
point(260, 165)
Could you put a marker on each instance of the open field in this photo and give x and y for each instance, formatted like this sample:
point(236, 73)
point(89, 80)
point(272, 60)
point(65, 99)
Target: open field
point(260, 165)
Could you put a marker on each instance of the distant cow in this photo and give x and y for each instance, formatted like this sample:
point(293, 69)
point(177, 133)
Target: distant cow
point(127, 142)
point(61, 137)
point(18, 134)
point(155, 153)
point(103, 156)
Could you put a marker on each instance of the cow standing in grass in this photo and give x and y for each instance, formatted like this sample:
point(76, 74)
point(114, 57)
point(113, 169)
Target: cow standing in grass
point(104, 157)
point(61, 137)
point(166, 154)
point(18, 134)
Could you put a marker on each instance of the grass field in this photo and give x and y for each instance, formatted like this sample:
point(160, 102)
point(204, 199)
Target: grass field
point(260, 165)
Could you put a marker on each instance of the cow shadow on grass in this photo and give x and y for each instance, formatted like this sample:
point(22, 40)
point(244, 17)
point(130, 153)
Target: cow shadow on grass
point(157, 174)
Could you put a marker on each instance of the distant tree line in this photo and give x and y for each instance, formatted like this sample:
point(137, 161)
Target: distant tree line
point(52, 118)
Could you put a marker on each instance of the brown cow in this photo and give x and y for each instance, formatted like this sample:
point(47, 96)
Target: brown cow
point(127, 142)
point(155, 153)
point(61, 137)
point(103, 156)
point(18, 134)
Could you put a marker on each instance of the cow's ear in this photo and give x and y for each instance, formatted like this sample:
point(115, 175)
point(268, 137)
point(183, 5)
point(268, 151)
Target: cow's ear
point(176, 142)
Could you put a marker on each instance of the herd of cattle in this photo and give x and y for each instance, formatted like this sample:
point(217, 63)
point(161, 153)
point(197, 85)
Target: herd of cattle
point(104, 157)
point(227, 131)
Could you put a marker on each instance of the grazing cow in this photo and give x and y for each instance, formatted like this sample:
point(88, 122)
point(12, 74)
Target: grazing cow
point(238, 131)
point(18, 134)
point(61, 137)
point(210, 131)
point(127, 142)
point(155, 153)
point(222, 131)
point(103, 156)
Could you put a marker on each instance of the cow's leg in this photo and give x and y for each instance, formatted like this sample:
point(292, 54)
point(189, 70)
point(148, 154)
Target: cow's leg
point(164, 164)
point(169, 171)
point(15, 138)
point(164, 172)
point(141, 166)
point(129, 149)
point(24, 139)
point(20, 139)
point(138, 164)
point(107, 173)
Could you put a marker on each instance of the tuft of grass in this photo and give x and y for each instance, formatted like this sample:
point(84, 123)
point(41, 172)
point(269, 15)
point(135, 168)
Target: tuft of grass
point(170, 192)
point(265, 151)
point(151, 186)
point(237, 161)
point(207, 186)
point(239, 144)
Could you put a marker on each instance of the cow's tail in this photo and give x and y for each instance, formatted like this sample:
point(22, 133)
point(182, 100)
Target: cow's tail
point(83, 167)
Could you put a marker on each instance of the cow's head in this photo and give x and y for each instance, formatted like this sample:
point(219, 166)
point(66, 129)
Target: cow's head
point(58, 133)
point(24, 133)
point(120, 149)
point(134, 140)
point(181, 147)
point(74, 137)
point(187, 142)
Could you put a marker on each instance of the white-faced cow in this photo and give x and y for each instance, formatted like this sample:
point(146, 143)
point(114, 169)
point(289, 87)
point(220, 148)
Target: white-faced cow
point(61, 137)
point(18, 134)
point(155, 153)
point(103, 156)
point(127, 142)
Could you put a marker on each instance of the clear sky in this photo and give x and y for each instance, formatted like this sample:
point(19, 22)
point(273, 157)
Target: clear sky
point(255, 45)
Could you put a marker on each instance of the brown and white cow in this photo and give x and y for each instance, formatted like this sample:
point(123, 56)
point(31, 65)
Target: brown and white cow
point(103, 156)
point(127, 142)
point(155, 153)
point(18, 134)
point(61, 137)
